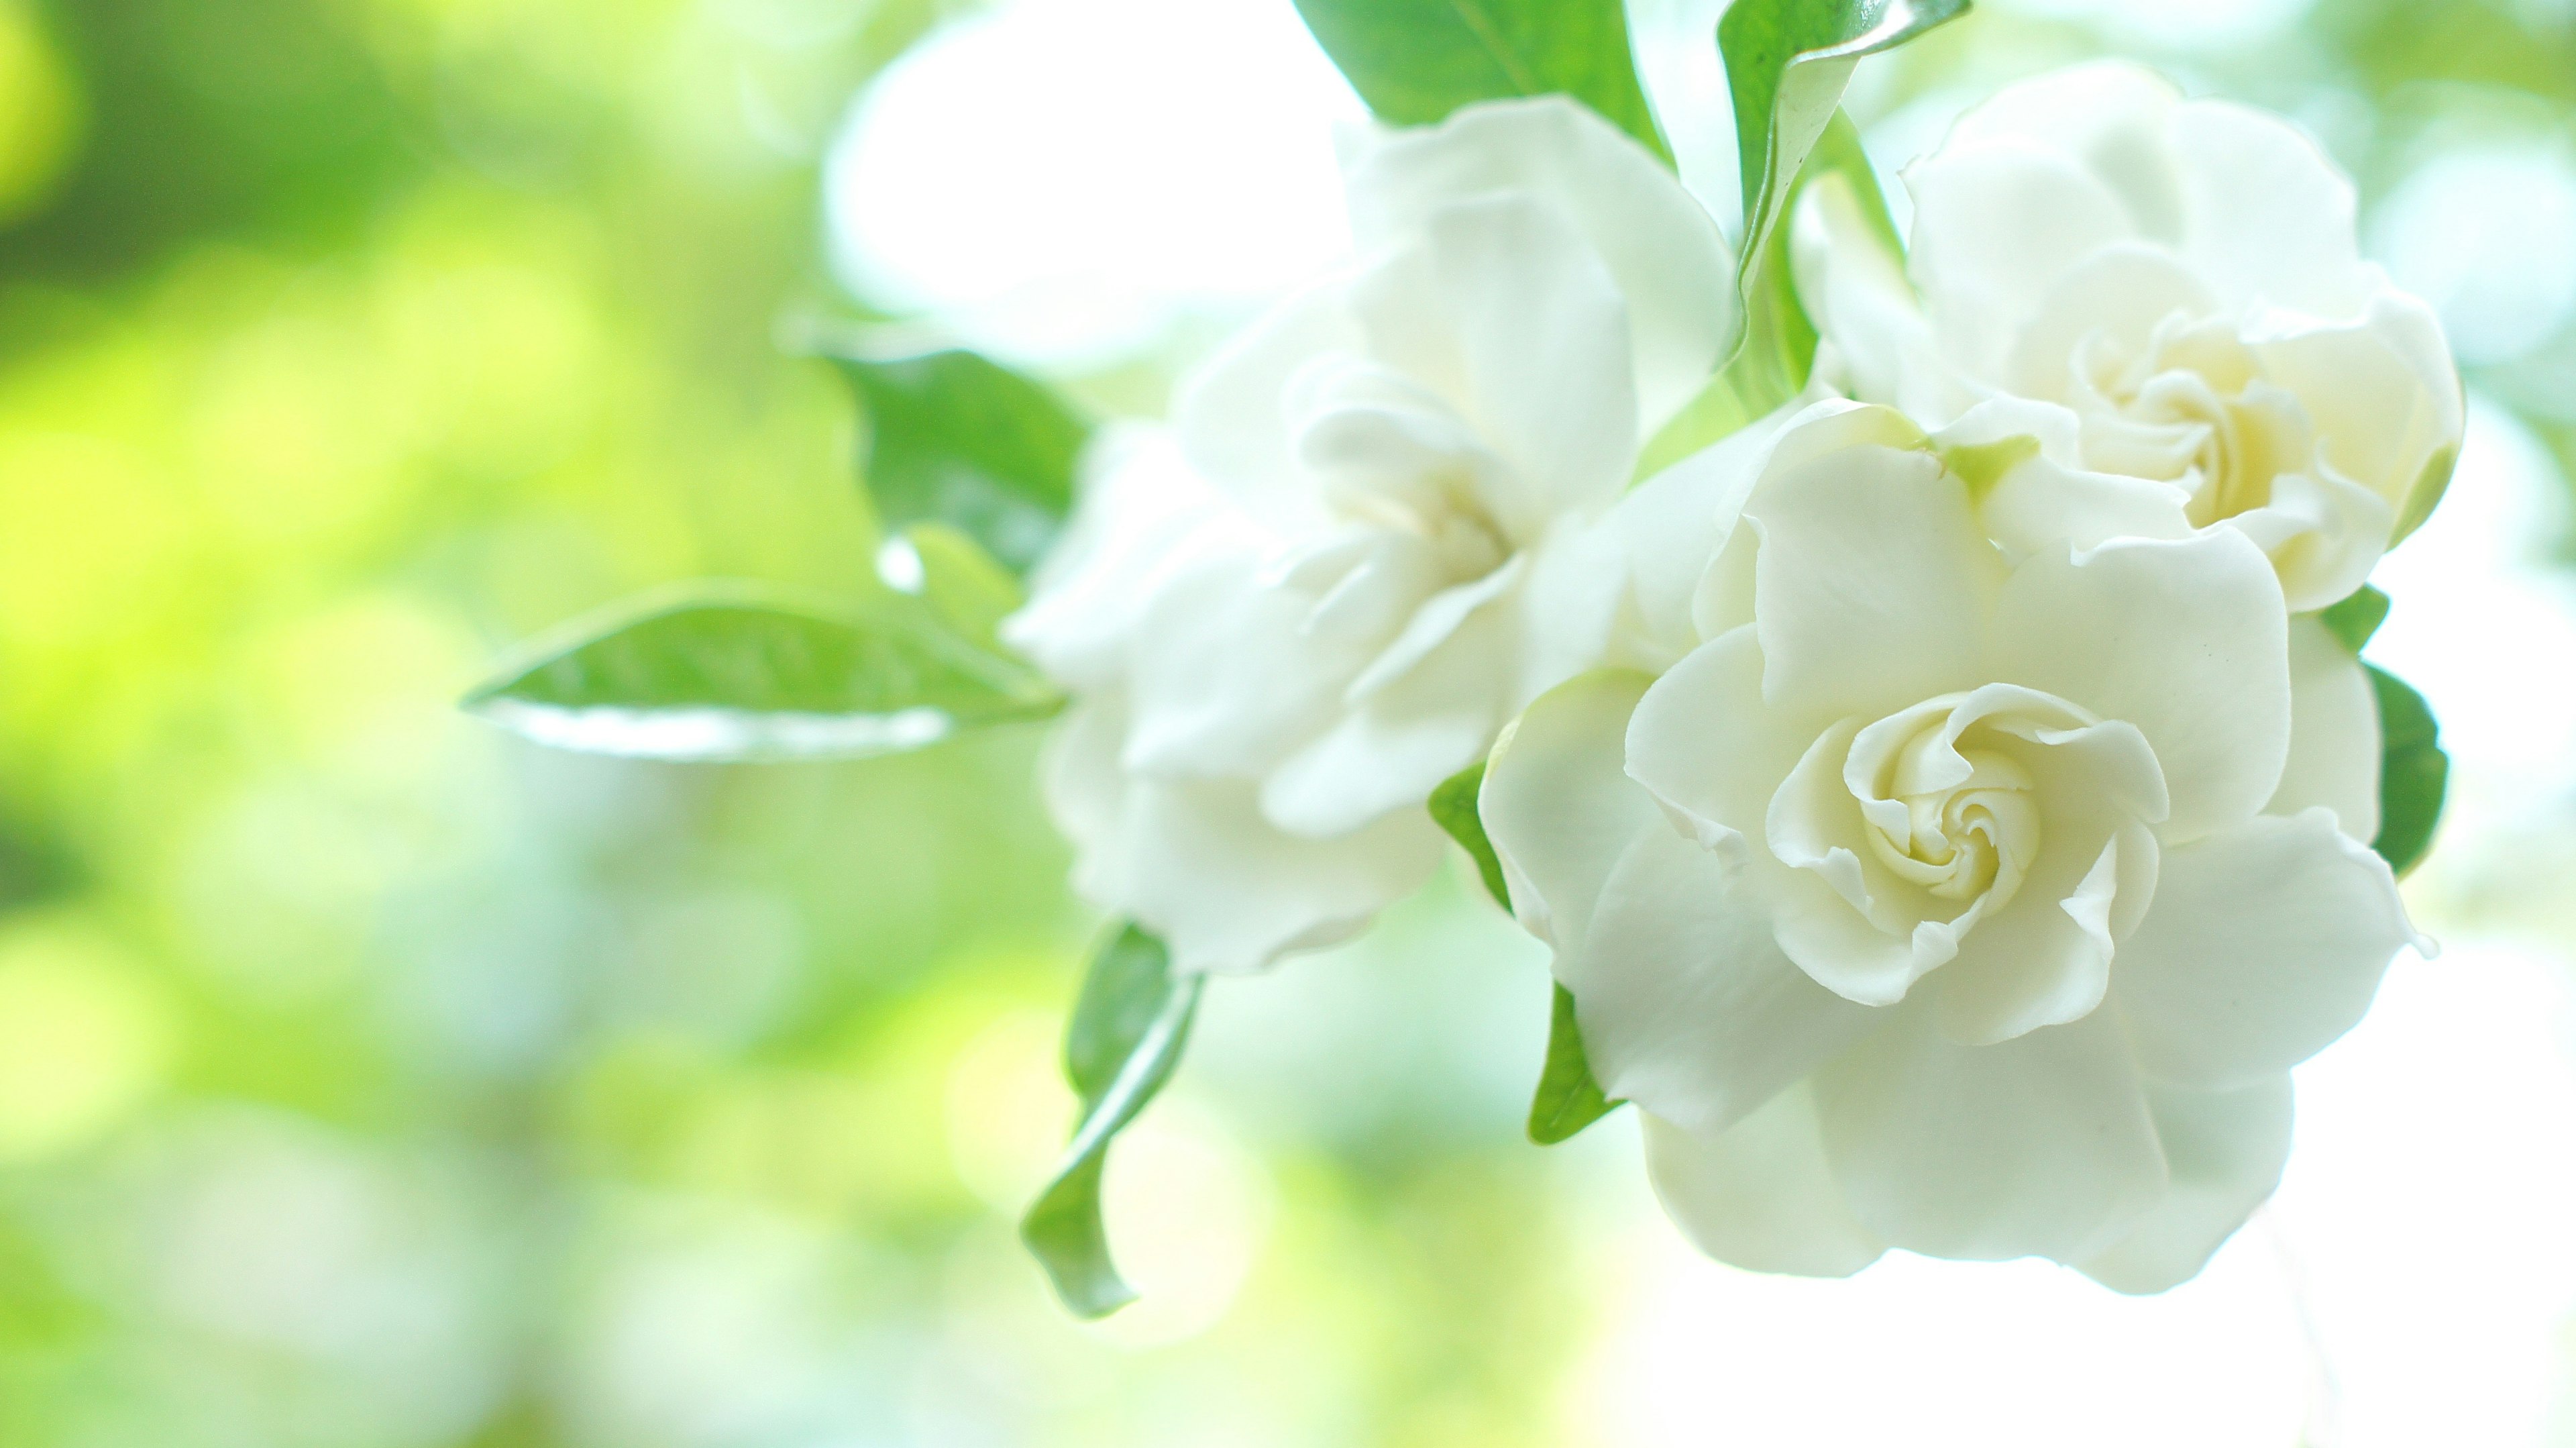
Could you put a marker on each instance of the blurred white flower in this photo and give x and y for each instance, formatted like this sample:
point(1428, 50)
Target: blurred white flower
point(2180, 279)
point(1378, 532)
point(1947, 900)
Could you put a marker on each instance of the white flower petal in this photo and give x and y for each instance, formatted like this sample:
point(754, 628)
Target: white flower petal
point(1673, 270)
point(2265, 943)
point(1704, 744)
point(2046, 960)
point(1858, 295)
point(2382, 392)
point(2185, 640)
point(1687, 1006)
point(2225, 1151)
point(1872, 583)
point(2267, 215)
point(2112, 117)
point(2334, 734)
point(1232, 416)
point(2040, 1146)
point(1557, 803)
point(1995, 226)
point(1760, 1195)
point(1544, 337)
point(1228, 892)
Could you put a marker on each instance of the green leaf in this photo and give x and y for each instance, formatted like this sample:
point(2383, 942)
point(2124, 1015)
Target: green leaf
point(2430, 485)
point(1777, 350)
point(1568, 1099)
point(954, 438)
point(2414, 773)
point(1453, 808)
point(1786, 64)
point(1125, 1037)
point(1415, 61)
point(2356, 617)
point(722, 671)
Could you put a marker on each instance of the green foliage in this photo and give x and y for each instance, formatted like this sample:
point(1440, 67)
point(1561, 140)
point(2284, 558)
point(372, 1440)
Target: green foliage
point(955, 438)
point(2430, 485)
point(1568, 1098)
point(2356, 617)
point(1453, 808)
point(1786, 64)
point(740, 672)
point(1415, 61)
point(1778, 349)
point(961, 582)
point(2413, 772)
point(1125, 1037)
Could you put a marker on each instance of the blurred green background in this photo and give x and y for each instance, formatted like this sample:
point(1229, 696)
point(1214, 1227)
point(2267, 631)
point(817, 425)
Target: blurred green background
point(370, 1079)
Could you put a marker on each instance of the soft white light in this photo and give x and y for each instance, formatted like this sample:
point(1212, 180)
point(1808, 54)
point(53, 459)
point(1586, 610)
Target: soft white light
point(1059, 179)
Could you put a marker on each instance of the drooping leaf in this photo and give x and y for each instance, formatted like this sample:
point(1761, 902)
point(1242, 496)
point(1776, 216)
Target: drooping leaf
point(1126, 1035)
point(1415, 61)
point(2414, 773)
point(2357, 616)
point(1786, 64)
point(745, 672)
point(1568, 1098)
point(1778, 348)
point(1453, 808)
point(955, 438)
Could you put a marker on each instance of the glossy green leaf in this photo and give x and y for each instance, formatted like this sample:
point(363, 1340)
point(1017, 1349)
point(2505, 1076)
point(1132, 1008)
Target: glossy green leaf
point(1568, 1098)
point(1777, 350)
point(1128, 1027)
point(1786, 64)
point(962, 583)
point(955, 438)
point(1453, 808)
point(2414, 773)
point(1415, 61)
point(2356, 617)
point(745, 672)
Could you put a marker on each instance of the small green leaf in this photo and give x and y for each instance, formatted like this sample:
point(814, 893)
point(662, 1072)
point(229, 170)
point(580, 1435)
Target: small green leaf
point(723, 671)
point(1771, 362)
point(1453, 808)
point(2356, 617)
point(2414, 773)
point(1568, 1099)
point(1125, 1037)
point(1786, 64)
point(955, 438)
point(2430, 485)
point(1415, 61)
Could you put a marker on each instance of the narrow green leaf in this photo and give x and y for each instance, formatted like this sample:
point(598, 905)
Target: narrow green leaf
point(1786, 64)
point(1568, 1099)
point(1128, 1027)
point(2356, 617)
point(1777, 351)
point(2414, 773)
point(955, 438)
point(722, 671)
point(1415, 61)
point(1453, 808)
point(2429, 487)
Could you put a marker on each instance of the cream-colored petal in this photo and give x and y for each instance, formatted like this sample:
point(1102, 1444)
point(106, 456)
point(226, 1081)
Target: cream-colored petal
point(1558, 805)
point(2225, 1151)
point(2334, 734)
point(1760, 1194)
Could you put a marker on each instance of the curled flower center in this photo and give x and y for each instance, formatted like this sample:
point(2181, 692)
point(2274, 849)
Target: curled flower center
point(2192, 406)
point(1946, 808)
point(1439, 506)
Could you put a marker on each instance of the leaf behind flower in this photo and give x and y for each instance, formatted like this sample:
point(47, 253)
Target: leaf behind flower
point(2414, 773)
point(1415, 61)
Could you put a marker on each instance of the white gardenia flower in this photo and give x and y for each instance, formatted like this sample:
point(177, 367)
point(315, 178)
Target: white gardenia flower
point(2180, 278)
point(1953, 901)
point(1379, 530)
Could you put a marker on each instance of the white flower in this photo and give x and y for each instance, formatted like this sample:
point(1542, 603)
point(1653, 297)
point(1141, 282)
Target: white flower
point(1382, 532)
point(1950, 901)
point(2180, 279)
